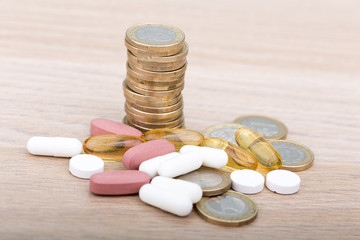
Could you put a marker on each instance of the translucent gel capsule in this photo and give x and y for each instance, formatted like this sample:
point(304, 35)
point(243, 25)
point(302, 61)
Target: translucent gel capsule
point(238, 157)
point(110, 147)
point(179, 137)
point(268, 158)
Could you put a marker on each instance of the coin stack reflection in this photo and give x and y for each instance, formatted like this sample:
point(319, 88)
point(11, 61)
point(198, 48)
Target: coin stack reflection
point(155, 76)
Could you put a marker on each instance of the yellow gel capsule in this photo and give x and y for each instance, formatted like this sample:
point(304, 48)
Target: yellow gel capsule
point(268, 158)
point(177, 136)
point(110, 147)
point(238, 157)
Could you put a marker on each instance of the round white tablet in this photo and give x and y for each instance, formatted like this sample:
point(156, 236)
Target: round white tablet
point(283, 182)
point(247, 181)
point(85, 165)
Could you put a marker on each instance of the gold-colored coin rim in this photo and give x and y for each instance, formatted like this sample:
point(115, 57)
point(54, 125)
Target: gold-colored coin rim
point(168, 59)
point(218, 189)
point(144, 129)
point(169, 124)
point(166, 95)
point(157, 109)
point(136, 42)
point(158, 101)
point(159, 75)
point(153, 86)
point(151, 53)
point(155, 79)
point(224, 221)
point(283, 131)
point(299, 166)
point(149, 61)
point(212, 128)
point(152, 117)
point(156, 67)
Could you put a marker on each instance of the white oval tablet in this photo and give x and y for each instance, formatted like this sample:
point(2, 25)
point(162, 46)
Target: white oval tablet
point(177, 186)
point(247, 181)
point(283, 182)
point(151, 166)
point(182, 164)
point(54, 146)
point(85, 165)
point(212, 157)
point(165, 200)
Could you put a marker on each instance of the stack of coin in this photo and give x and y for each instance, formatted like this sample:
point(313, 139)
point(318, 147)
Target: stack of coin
point(155, 76)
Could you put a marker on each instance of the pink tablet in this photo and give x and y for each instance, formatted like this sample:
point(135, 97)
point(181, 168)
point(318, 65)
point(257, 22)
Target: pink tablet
point(144, 151)
point(102, 126)
point(119, 182)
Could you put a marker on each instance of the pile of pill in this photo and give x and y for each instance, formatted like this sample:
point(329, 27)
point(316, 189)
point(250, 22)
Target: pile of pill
point(173, 169)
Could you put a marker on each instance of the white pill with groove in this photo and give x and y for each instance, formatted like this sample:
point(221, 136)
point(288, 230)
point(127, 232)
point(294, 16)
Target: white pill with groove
point(177, 186)
point(151, 166)
point(212, 157)
point(283, 181)
point(54, 146)
point(182, 164)
point(85, 165)
point(165, 200)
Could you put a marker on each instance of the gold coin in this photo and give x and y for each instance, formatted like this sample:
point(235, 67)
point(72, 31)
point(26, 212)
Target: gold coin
point(155, 79)
point(268, 128)
point(166, 95)
point(151, 75)
point(295, 157)
point(148, 61)
point(144, 129)
point(157, 109)
point(149, 53)
point(156, 67)
point(154, 86)
point(224, 131)
point(150, 101)
point(212, 181)
point(230, 209)
point(155, 37)
point(170, 59)
point(152, 117)
point(155, 125)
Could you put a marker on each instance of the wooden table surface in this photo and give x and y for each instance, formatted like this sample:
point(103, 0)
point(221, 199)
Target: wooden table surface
point(62, 64)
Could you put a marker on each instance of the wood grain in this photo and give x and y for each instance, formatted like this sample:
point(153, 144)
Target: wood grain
point(62, 63)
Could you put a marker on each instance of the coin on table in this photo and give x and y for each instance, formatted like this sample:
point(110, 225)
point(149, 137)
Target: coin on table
point(155, 37)
point(267, 127)
point(224, 131)
point(212, 181)
point(295, 157)
point(145, 129)
point(230, 209)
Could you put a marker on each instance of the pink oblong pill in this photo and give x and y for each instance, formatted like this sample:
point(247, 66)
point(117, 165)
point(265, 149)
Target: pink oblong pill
point(120, 182)
point(144, 151)
point(102, 126)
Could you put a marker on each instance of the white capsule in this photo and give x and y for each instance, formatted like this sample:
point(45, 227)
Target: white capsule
point(54, 146)
point(165, 200)
point(85, 165)
point(177, 186)
point(283, 182)
point(151, 166)
point(212, 157)
point(182, 164)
